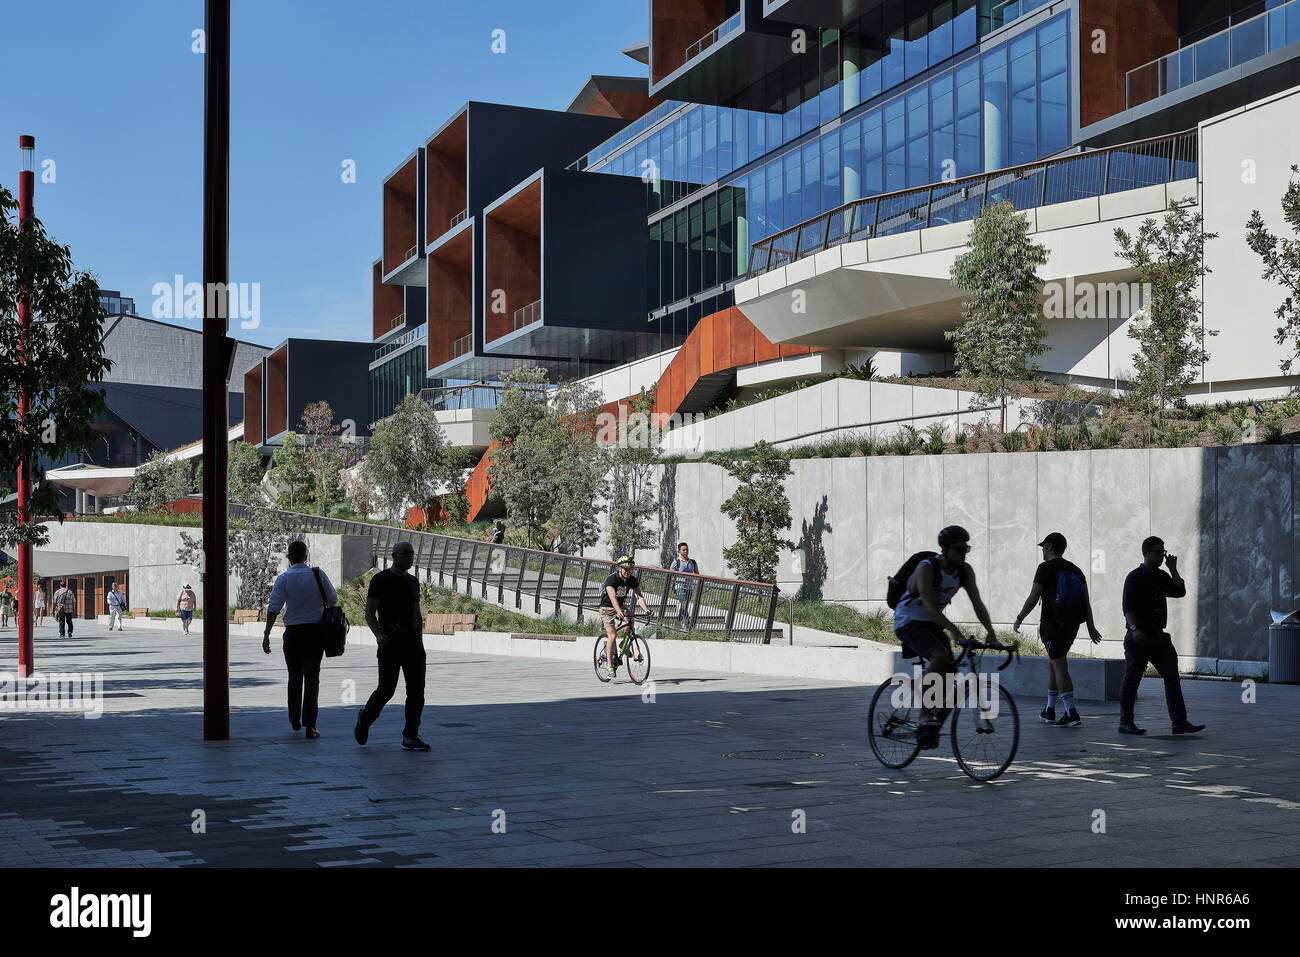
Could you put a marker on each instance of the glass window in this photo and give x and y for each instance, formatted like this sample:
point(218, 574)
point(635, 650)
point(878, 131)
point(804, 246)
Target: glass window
point(812, 203)
point(969, 159)
point(727, 257)
point(792, 188)
point(666, 261)
point(965, 28)
point(918, 46)
point(642, 155)
point(873, 155)
point(831, 192)
point(653, 271)
point(895, 128)
point(830, 74)
point(681, 245)
point(757, 134)
point(695, 262)
point(710, 204)
point(710, 170)
point(695, 147)
point(740, 147)
point(1054, 87)
point(943, 149)
point(755, 216)
point(891, 65)
point(1024, 101)
point(775, 198)
point(918, 137)
point(851, 160)
point(869, 81)
point(941, 32)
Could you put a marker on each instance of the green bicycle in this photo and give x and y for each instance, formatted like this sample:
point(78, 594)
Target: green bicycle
point(632, 650)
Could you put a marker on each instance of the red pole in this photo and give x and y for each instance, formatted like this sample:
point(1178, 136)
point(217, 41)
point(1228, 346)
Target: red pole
point(26, 651)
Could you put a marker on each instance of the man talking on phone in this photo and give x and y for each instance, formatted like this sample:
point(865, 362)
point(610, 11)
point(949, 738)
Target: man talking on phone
point(1146, 590)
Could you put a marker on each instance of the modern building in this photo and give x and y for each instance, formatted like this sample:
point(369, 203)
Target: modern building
point(279, 385)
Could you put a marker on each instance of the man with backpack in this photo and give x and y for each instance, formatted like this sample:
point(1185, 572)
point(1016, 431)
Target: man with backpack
point(1063, 591)
point(683, 587)
point(929, 581)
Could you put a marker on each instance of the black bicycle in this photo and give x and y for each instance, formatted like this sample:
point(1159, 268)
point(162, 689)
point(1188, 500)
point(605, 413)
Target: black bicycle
point(984, 734)
point(632, 649)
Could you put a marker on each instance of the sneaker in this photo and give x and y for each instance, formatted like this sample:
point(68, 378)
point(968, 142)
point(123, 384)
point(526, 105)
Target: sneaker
point(360, 731)
point(927, 735)
point(1070, 719)
point(609, 673)
point(312, 734)
point(1048, 715)
point(1188, 728)
point(415, 744)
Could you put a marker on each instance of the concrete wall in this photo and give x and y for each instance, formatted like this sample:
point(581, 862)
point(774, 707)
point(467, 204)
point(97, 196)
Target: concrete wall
point(1226, 512)
point(156, 576)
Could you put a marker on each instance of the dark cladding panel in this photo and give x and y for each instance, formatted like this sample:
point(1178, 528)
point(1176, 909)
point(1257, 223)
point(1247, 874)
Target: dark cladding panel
point(334, 372)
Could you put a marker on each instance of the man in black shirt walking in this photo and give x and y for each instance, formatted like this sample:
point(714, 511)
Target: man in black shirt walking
point(1146, 609)
point(393, 614)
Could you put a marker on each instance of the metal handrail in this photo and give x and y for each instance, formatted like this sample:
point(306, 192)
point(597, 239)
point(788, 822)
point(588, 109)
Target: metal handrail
point(462, 345)
point(528, 314)
point(726, 28)
point(1190, 56)
point(679, 601)
point(1075, 176)
point(410, 253)
point(1021, 7)
point(459, 218)
point(406, 338)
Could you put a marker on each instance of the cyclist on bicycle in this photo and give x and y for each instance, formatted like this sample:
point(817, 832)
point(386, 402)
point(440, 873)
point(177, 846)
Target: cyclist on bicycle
point(919, 620)
point(617, 586)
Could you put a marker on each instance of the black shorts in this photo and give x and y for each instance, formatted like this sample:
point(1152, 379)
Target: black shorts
point(921, 638)
point(1058, 641)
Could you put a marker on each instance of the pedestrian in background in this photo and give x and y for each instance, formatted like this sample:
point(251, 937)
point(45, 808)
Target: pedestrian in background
point(1061, 587)
point(683, 587)
point(306, 591)
point(116, 605)
point(393, 615)
point(40, 605)
point(6, 606)
point(186, 602)
point(65, 603)
point(1146, 609)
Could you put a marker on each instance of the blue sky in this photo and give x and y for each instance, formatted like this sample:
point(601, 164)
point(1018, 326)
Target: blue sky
point(114, 94)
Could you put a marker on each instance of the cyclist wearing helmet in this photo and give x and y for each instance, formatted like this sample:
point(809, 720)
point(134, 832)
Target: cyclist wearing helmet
point(617, 587)
point(919, 620)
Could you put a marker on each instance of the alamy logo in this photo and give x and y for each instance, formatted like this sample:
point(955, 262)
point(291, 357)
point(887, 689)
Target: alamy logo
point(1093, 300)
point(53, 691)
point(936, 691)
point(74, 910)
point(188, 300)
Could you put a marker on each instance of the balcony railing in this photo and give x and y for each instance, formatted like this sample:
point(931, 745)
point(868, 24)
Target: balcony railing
point(459, 218)
point(528, 314)
point(1092, 173)
point(475, 396)
point(462, 345)
point(405, 339)
point(724, 29)
point(1234, 46)
point(1012, 10)
point(410, 253)
point(629, 132)
point(397, 321)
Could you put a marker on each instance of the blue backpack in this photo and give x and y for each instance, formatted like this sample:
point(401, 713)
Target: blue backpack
point(1071, 600)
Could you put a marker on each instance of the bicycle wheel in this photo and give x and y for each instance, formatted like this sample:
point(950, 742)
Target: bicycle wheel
point(637, 659)
point(892, 729)
point(598, 656)
point(983, 745)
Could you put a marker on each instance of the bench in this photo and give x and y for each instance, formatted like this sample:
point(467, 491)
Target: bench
point(448, 624)
point(139, 613)
point(245, 615)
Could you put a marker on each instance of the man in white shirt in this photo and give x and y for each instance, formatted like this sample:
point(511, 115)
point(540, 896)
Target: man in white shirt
point(298, 589)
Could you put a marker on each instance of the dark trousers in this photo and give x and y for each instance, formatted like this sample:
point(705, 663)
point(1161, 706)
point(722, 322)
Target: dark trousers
point(65, 617)
point(406, 657)
point(1157, 649)
point(302, 654)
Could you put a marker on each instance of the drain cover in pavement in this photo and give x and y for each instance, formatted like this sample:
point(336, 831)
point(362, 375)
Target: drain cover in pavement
point(775, 754)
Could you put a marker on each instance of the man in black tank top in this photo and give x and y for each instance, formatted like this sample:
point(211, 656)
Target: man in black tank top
point(926, 629)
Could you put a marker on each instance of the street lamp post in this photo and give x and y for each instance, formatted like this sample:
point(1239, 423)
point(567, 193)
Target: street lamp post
point(26, 651)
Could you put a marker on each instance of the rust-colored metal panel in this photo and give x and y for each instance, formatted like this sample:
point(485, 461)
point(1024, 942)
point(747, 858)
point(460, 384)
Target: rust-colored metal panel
point(708, 361)
point(1136, 32)
point(742, 338)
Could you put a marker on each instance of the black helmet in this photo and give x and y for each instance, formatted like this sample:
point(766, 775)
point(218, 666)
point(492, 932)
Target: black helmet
point(953, 535)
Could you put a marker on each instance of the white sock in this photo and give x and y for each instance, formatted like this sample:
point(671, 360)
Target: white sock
point(1067, 701)
point(1051, 699)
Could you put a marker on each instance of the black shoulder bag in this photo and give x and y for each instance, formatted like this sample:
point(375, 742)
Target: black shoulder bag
point(333, 623)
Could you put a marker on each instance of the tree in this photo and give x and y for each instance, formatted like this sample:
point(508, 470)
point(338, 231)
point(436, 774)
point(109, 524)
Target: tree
point(406, 461)
point(761, 511)
point(158, 483)
point(1282, 264)
point(632, 502)
point(245, 471)
point(455, 501)
point(61, 359)
point(1002, 328)
point(359, 490)
point(256, 546)
point(579, 464)
point(1170, 260)
point(290, 473)
point(325, 454)
point(518, 467)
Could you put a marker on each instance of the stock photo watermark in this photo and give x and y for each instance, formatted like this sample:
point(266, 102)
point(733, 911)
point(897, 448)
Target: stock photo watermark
point(53, 691)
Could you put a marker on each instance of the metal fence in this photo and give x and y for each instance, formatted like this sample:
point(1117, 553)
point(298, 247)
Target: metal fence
point(546, 582)
point(1083, 175)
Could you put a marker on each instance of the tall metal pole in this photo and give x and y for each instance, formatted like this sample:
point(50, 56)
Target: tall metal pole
point(26, 650)
point(216, 368)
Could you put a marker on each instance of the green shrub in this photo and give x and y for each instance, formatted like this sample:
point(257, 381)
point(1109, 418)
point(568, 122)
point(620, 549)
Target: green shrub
point(936, 438)
point(1013, 441)
point(1223, 430)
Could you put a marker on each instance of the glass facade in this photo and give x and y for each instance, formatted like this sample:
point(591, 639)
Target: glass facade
point(1007, 106)
point(391, 382)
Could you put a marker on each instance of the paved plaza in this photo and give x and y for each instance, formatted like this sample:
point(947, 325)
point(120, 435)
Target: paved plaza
point(716, 769)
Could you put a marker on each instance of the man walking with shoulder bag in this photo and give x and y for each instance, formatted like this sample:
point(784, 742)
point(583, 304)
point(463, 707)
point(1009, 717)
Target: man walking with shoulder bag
point(300, 588)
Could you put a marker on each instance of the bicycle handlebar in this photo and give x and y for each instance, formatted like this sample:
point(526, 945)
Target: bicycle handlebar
point(970, 644)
